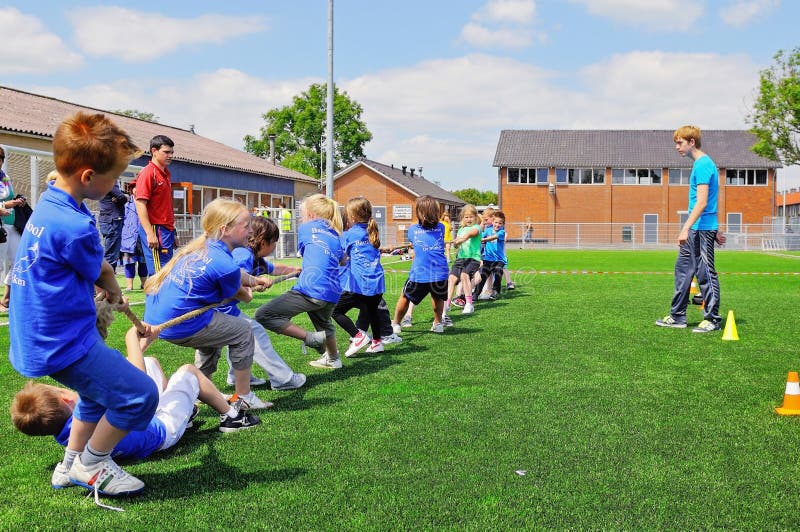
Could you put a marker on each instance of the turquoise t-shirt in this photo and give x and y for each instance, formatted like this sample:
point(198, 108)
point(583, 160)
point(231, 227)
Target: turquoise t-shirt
point(704, 172)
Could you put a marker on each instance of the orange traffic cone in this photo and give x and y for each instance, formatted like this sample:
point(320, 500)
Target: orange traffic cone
point(791, 398)
point(730, 328)
point(694, 290)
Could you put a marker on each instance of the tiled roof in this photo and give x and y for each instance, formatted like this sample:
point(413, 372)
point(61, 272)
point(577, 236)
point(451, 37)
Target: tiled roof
point(415, 184)
point(622, 149)
point(23, 112)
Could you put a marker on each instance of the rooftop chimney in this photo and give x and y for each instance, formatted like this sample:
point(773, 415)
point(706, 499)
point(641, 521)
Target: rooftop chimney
point(412, 171)
point(272, 149)
point(420, 171)
point(404, 170)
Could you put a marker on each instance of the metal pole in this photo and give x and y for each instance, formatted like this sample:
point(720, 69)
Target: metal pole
point(329, 128)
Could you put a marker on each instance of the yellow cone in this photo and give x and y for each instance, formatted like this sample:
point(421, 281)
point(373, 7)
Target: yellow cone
point(693, 290)
point(730, 328)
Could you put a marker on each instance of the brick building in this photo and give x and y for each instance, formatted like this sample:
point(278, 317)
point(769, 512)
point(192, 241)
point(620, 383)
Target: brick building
point(392, 192)
point(628, 177)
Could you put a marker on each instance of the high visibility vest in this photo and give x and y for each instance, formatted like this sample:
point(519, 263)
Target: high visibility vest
point(286, 220)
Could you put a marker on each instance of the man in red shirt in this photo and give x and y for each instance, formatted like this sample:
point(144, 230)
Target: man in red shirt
point(154, 205)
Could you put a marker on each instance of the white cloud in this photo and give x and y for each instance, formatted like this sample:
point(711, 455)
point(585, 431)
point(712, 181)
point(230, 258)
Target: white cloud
point(745, 11)
point(518, 11)
point(660, 15)
point(223, 105)
point(29, 48)
point(482, 37)
point(99, 31)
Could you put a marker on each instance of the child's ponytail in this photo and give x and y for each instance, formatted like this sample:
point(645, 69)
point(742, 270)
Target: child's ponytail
point(374, 235)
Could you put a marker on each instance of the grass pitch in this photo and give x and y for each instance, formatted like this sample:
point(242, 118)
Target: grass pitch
point(560, 405)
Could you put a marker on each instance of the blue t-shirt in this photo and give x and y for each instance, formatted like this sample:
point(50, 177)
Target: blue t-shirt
point(430, 263)
point(365, 275)
point(52, 316)
point(207, 276)
point(495, 249)
point(704, 172)
point(246, 260)
point(136, 444)
point(322, 251)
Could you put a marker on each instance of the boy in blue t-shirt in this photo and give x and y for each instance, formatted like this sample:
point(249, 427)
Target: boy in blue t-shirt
point(494, 255)
point(60, 260)
point(697, 238)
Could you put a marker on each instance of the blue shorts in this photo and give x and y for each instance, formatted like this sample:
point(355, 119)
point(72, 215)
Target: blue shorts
point(155, 258)
point(110, 385)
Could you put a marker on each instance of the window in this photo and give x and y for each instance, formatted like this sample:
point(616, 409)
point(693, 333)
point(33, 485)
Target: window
point(734, 222)
point(580, 176)
point(682, 217)
point(679, 176)
point(751, 177)
point(527, 176)
point(636, 176)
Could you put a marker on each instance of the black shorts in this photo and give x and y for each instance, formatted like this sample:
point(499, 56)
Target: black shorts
point(468, 266)
point(416, 292)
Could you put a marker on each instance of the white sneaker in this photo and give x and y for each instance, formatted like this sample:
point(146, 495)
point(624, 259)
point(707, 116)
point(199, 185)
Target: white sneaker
point(375, 347)
point(469, 308)
point(396, 328)
point(392, 339)
point(297, 381)
point(248, 402)
point(484, 297)
point(60, 478)
point(360, 341)
point(106, 478)
point(437, 327)
point(406, 322)
point(327, 362)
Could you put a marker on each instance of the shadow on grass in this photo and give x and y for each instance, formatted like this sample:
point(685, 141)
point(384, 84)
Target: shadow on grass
point(211, 475)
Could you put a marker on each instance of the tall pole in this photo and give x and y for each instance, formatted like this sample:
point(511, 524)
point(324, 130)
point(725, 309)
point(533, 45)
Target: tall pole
point(329, 128)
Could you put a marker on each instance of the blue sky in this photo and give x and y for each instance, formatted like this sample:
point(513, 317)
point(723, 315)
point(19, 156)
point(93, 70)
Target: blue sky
point(438, 79)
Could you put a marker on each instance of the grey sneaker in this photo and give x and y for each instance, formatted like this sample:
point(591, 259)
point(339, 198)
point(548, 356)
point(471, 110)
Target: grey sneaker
point(706, 326)
point(392, 339)
point(469, 308)
point(437, 328)
point(297, 381)
point(254, 381)
point(105, 478)
point(60, 478)
point(317, 341)
point(406, 322)
point(396, 328)
point(446, 321)
point(327, 361)
point(669, 321)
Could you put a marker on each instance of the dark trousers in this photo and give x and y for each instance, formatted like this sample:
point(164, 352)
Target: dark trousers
point(385, 319)
point(696, 257)
point(368, 305)
point(112, 240)
point(487, 269)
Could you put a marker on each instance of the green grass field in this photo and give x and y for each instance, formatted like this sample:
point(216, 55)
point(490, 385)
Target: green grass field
point(617, 424)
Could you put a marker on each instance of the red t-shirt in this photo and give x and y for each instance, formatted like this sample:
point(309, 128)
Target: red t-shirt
point(158, 198)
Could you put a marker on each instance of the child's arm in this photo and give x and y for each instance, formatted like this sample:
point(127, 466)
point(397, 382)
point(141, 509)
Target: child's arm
point(282, 269)
point(108, 283)
point(488, 239)
point(257, 283)
point(466, 236)
point(134, 348)
point(244, 294)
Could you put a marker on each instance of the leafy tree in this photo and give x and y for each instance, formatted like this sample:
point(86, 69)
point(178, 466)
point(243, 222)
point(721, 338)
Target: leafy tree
point(776, 111)
point(133, 113)
point(299, 131)
point(476, 197)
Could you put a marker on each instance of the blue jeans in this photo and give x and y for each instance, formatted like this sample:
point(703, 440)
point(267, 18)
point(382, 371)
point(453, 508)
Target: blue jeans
point(112, 240)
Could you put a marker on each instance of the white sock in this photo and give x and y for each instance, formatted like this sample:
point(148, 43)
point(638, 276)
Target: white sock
point(232, 413)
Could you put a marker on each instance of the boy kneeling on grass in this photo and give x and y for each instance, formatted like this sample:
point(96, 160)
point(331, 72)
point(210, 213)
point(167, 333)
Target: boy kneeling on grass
point(43, 410)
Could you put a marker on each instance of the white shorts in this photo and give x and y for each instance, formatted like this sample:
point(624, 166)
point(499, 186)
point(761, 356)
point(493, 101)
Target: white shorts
point(175, 403)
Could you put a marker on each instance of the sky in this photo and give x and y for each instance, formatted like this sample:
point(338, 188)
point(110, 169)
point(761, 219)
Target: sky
point(438, 80)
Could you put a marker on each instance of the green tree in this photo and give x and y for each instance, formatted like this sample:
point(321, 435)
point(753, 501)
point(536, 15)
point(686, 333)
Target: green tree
point(299, 131)
point(775, 119)
point(133, 113)
point(476, 197)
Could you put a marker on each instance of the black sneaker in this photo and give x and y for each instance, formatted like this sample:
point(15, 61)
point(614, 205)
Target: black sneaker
point(697, 299)
point(195, 411)
point(245, 420)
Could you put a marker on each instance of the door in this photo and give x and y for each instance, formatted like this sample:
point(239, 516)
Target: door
point(651, 229)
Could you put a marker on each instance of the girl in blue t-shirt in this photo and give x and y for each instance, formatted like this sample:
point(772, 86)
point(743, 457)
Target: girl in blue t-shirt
point(203, 273)
point(317, 289)
point(362, 277)
point(428, 274)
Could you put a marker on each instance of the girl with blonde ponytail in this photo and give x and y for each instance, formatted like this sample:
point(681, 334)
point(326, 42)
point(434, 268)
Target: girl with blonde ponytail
point(202, 273)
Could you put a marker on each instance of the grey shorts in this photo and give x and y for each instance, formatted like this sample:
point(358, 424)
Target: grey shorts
point(277, 314)
point(224, 329)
